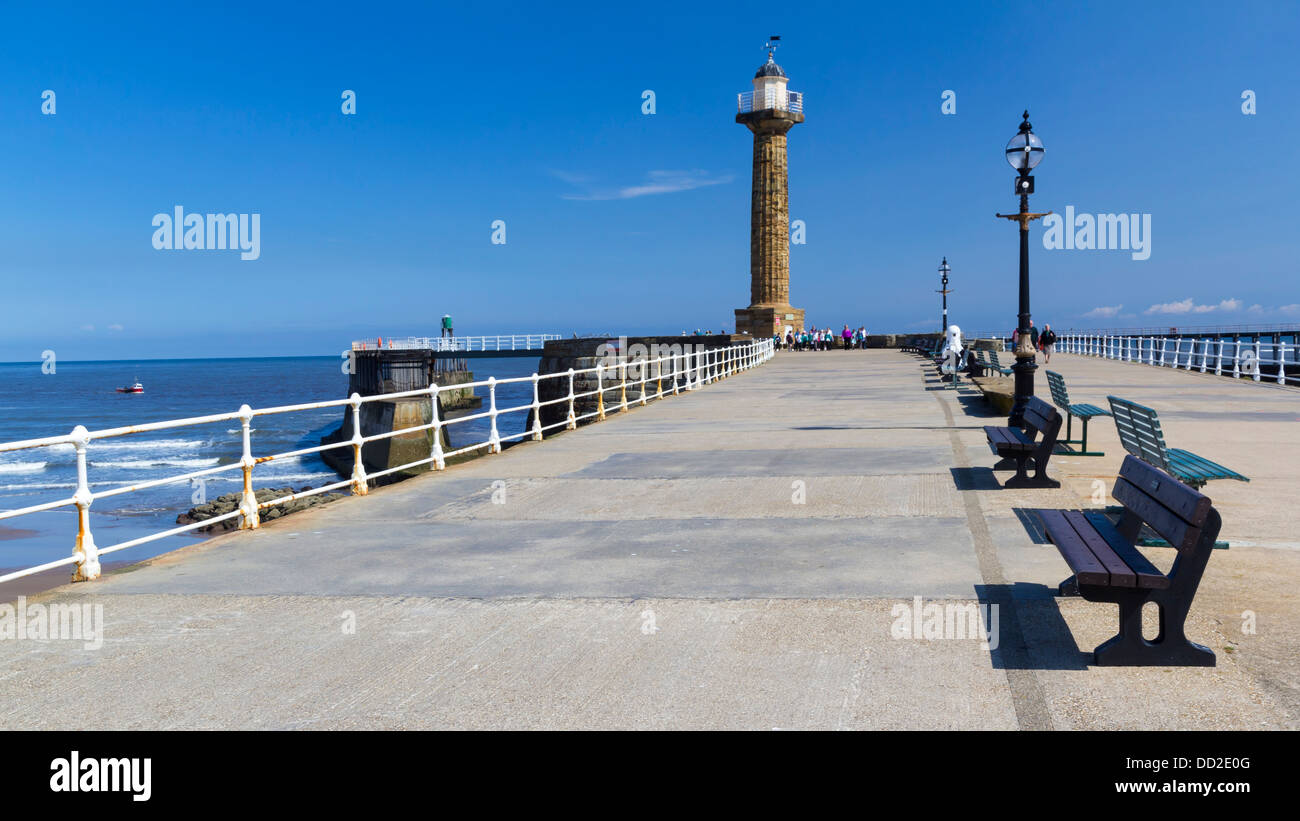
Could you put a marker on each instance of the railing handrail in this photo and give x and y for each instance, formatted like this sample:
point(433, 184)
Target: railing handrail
point(1189, 330)
point(690, 369)
point(496, 342)
point(1204, 352)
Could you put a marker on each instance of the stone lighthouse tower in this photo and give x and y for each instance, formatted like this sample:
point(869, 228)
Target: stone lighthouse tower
point(769, 111)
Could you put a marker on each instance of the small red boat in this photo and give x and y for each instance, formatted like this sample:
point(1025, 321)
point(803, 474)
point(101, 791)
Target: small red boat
point(136, 388)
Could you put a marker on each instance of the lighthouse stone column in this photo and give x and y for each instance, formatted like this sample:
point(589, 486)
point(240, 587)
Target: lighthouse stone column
point(770, 111)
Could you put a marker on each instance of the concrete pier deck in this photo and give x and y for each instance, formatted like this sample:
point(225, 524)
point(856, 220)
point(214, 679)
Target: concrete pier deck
point(725, 559)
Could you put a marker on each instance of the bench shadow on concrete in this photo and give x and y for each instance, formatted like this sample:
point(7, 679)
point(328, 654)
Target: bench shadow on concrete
point(1032, 634)
point(974, 404)
point(975, 478)
point(1033, 525)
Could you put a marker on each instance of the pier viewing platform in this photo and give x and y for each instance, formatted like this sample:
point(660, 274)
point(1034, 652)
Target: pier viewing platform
point(737, 557)
point(461, 346)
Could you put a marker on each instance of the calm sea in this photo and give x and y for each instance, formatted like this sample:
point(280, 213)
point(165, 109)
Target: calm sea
point(35, 404)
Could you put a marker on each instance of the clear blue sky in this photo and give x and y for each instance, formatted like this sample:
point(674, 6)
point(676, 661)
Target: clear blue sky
point(378, 223)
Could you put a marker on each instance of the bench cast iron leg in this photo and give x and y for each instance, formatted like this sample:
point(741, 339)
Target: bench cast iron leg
point(1009, 463)
point(1171, 647)
point(1039, 479)
point(1021, 479)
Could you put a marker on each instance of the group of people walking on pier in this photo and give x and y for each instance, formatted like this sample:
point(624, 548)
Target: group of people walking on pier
point(821, 339)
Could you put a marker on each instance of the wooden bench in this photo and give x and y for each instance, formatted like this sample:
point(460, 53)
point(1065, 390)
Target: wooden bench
point(1108, 567)
point(1139, 432)
point(1084, 412)
point(1018, 447)
point(996, 364)
point(982, 360)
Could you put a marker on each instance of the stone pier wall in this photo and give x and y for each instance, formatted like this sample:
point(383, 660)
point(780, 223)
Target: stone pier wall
point(393, 371)
point(561, 355)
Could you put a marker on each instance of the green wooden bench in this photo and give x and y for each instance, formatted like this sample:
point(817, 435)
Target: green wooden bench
point(996, 364)
point(1139, 432)
point(1108, 567)
point(1084, 412)
point(981, 359)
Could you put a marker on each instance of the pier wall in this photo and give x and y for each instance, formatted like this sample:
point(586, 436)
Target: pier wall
point(559, 356)
point(384, 371)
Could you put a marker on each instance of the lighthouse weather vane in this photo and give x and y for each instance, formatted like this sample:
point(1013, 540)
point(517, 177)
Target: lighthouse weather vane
point(772, 44)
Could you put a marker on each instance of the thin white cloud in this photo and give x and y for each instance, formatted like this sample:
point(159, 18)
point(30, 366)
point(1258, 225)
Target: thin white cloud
point(115, 327)
point(87, 327)
point(656, 182)
point(1293, 308)
point(1188, 306)
point(1103, 312)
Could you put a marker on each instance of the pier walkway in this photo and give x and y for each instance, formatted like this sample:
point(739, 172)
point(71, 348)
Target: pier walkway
point(731, 559)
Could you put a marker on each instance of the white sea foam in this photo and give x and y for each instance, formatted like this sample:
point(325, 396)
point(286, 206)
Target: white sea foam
point(128, 444)
point(259, 478)
point(22, 467)
point(139, 464)
point(39, 486)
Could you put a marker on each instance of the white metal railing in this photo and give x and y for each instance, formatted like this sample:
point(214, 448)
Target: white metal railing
point(688, 370)
point(748, 101)
point(503, 342)
point(1254, 359)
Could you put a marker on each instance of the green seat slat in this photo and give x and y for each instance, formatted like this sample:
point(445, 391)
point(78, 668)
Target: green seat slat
point(1200, 467)
point(1088, 410)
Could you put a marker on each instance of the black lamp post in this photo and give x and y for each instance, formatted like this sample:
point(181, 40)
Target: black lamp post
point(1024, 151)
point(944, 269)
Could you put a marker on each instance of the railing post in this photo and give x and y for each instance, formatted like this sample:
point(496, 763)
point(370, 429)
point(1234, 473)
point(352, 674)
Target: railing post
point(248, 518)
point(439, 463)
point(572, 422)
point(359, 485)
point(600, 391)
point(494, 438)
point(1218, 359)
point(1280, 348)
point(84, 549)
point(1257, 359)
point(659, 374)
point(537, 405)
point(622, 385)
point(1205, 353)
point(642, 368)
point(1236, 359)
